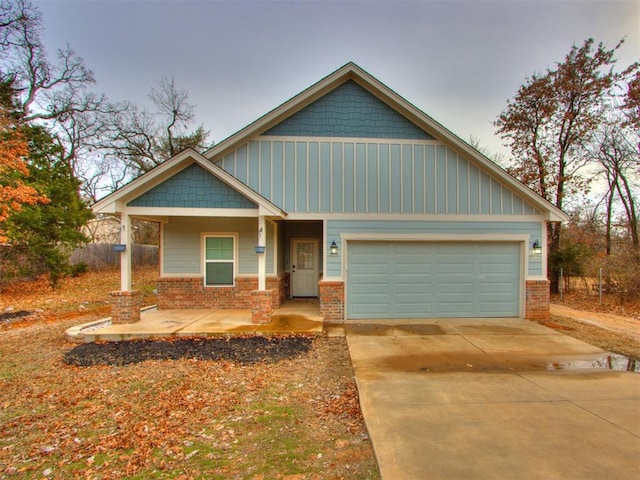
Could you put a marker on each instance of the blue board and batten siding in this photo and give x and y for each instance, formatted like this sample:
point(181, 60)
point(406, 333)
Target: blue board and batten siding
point(350, 176)
point(349, 152)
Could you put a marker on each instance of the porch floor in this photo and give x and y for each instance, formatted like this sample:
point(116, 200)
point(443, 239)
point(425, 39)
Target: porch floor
point(294, 316)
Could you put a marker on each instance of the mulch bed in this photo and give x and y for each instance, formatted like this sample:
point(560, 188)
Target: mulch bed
point(242, 350)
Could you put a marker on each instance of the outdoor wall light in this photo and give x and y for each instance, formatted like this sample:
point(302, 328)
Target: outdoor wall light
point(333, 248)
point(536, 248)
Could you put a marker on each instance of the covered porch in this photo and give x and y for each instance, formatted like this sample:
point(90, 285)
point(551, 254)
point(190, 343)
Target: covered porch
point(222, 245)
point(294, 316)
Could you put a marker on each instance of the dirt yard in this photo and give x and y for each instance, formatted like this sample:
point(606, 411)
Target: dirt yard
point(611, 325)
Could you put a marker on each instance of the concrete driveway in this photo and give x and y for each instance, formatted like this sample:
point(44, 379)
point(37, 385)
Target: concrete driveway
point(493, 399)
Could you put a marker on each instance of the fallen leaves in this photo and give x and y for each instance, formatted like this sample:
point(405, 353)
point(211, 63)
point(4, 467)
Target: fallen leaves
point(296, 417)
point(76, 297)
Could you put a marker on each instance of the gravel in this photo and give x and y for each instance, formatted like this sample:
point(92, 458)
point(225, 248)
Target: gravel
point(242, 350)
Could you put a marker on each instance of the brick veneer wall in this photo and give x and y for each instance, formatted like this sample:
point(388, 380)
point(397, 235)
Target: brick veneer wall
point(537, 300)
point(190, 292)
point(331, 301)
point(125, 306)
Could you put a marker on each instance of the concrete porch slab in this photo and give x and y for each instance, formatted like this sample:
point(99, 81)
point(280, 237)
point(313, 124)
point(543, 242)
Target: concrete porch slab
point(292, 317)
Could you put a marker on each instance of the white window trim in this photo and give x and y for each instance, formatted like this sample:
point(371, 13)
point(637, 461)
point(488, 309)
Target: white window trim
point(204, 261)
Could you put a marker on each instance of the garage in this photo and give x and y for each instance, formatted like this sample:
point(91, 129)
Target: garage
point(428, 279)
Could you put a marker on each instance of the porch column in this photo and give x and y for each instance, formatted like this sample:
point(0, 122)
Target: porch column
point(126, 255)
point(262, 257)
point(261, 298)
point(125, 304)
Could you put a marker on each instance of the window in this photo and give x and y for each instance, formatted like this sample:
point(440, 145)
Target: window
point(219, 261)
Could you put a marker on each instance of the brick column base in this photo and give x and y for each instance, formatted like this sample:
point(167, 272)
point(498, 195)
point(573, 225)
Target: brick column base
point(537, 300)
point(125, 306)
point(261, 306)
point(331, 301)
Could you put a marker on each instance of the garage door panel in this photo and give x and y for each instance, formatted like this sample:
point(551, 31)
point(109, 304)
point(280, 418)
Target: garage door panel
point(455, 309)
point(496, 309)
point(454, 289)
point(497, 288)
point(403, 280)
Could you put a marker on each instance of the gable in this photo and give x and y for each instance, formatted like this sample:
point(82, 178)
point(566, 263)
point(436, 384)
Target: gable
point(192, 187)
point(349, 111)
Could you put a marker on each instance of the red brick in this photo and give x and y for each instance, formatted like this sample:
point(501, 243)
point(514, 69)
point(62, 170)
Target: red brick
point(125, 306)
point(331, 301)
point(261, 306)
point(537, 300)
point(190, 292)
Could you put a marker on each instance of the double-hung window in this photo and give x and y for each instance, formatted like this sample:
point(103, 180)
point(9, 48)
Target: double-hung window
point(219, 260)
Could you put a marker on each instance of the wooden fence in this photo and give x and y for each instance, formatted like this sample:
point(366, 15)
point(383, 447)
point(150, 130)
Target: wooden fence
point(101, 255)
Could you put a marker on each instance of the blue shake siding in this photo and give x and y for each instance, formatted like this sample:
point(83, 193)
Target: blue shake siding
point(382, 227)
point(317, 176)
point(349, 111)
point(193, 187)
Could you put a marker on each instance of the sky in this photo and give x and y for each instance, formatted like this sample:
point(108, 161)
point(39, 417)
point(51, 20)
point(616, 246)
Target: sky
point(457, 60)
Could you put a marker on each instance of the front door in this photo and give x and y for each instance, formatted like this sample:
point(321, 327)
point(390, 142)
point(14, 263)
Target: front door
point(304, 267)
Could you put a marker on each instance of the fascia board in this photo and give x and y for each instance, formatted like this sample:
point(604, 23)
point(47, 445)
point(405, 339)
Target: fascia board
point(264, 205)
point(283, 111)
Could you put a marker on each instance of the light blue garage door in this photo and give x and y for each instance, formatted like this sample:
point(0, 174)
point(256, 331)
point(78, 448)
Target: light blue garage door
point(425, 280)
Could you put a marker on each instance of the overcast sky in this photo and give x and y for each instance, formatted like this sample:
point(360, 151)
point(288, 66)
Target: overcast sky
point(459, 61)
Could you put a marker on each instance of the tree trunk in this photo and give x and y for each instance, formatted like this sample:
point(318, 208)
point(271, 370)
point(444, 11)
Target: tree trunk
point(553, 235)
point(630, 209)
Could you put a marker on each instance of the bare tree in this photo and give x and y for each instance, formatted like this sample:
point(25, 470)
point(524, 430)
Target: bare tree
point(106, 144)
point(144, 139)
point(54, 94)
point(619, 161)
point(498, 158)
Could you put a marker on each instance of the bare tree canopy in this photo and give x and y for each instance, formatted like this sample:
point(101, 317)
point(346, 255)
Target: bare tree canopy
point(106, 144)
point(144, 139)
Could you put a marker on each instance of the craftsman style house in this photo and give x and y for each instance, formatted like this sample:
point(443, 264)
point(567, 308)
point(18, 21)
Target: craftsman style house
point(348, 193)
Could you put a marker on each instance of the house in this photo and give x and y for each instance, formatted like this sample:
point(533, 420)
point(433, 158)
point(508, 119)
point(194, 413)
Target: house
point(349, 193)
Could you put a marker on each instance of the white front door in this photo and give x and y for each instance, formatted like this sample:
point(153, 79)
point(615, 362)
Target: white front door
point(304, 267)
